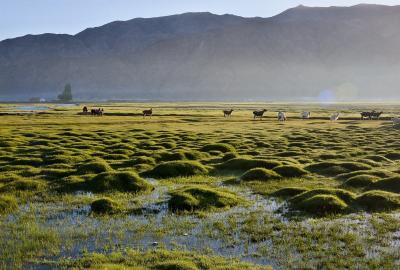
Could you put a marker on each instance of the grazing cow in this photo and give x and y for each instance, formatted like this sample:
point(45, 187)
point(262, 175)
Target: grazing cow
point(396, 121)
point(335, 117)
point(85, 110)
point(97, 112)
point(148, 112)
point(281, 116)
point(366, 115)
point(259, 114)
point(371, 115)
point(305, 115)
point(228, 113)
point(375, 114)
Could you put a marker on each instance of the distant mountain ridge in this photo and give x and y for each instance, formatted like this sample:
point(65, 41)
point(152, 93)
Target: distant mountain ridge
point(304, 53)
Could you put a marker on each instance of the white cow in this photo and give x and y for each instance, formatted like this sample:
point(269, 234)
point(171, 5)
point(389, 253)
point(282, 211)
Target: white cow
point(305, 115)
point(396, 121)
point(281, 116)
point(335, 117)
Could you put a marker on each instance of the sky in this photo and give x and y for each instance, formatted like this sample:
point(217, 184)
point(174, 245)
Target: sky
point(21, 17)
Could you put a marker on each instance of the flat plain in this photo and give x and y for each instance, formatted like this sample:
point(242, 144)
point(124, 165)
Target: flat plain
point(190, 189)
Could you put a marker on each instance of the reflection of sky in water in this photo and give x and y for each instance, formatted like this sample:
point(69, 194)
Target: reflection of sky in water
point(326, 96)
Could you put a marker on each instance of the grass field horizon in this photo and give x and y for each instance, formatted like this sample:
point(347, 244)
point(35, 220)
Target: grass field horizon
point(190, 189)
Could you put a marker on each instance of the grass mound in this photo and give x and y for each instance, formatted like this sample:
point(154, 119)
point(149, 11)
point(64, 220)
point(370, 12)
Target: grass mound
point(99, 166)
point(376, 200)
point(118, 181)
point(390, 184)
point(342, 194)
point(362, 180)
point(177, 168)
point(290, 171)
point(159, 259)
point(140, 160)
point(229, 156)
point(105, 206)
point(171, 156)
point(321, 205)
point(244, 164)
point(334, 168)
point(289, 192)
point(259, 174)
point(221, 147)
point(201, 198)
point(23, 185)
point(7, 204)
point(378, 173)
point(176, 265)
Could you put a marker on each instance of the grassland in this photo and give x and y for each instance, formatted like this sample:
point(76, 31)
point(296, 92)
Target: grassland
point(190, 189)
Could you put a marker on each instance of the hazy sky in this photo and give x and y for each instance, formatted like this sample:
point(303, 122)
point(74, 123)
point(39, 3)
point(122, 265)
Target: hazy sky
point(20, 17)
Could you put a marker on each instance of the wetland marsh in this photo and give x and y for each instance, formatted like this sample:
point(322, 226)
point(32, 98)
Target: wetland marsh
point(190, 189)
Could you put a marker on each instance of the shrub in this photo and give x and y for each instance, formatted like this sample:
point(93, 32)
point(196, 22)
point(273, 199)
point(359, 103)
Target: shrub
point(289, 191)
point(221, 147)
point(105, 206)
point(322, 205)
point(23, 185)
point(177, 168)
point(99, 166)
point(390, 184)
point(362, 180)
point(118, 181)
point(200, 197)
point(290, 171)
point(344, 195)
point(376, 200)
point(259, 174)
point(244, 164)
point(7, 204)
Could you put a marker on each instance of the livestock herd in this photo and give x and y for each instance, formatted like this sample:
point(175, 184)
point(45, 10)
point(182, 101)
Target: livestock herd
point(258, 114)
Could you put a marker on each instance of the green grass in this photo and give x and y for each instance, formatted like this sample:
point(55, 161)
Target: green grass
point(340, 181)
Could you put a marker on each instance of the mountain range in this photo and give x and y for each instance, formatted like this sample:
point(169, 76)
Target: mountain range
point(304, 53)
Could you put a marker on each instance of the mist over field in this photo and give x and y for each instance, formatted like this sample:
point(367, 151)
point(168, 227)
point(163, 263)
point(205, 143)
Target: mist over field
point(302, 54)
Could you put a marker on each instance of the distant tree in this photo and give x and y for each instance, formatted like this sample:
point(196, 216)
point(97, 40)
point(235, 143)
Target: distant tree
point(66, 95)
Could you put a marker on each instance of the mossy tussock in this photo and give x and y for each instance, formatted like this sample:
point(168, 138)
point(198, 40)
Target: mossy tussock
point(290, 171)
point(336, 168)
point(192, 198)
point(118, 181)
point(289, 192)
point(321, 204)
point(23, 185)
point(7, 204)
point(221, 147)
point(176, 168)
point(343, 194)
point(377, 173)
point(105, 206)
point(390, 184)
point(361, 181)
point(94, 167)
point(260, 174)
point(244, 164)
point(176, 265)
point(377, 200)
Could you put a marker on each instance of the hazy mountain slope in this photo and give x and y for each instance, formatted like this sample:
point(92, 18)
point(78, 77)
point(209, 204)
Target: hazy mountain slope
point(352, 52)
